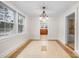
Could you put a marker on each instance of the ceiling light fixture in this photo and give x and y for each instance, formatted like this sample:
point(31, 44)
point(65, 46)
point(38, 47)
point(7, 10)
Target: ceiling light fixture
point(43, 15)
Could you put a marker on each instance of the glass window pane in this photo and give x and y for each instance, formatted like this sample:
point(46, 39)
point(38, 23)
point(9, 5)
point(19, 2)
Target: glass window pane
point(7, 16)
point(20, 22)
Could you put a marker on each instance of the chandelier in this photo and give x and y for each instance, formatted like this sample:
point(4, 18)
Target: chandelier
point(43, 15)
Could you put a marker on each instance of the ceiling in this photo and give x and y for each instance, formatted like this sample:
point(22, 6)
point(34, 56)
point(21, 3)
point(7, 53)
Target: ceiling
point(34, 8)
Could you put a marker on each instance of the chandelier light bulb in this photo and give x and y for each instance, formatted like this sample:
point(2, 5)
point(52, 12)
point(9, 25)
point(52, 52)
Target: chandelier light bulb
point(46, 17)
point(40, 18)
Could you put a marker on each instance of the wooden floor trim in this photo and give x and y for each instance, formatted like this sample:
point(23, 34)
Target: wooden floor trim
point(65, 47)
point(16, 52)
point(70, 47)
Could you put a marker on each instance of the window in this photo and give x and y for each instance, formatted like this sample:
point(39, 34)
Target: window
point(20, 22)
point(7, 16)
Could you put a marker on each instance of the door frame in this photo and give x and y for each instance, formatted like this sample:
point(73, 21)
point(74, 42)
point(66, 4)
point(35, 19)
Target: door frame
point(76, 24)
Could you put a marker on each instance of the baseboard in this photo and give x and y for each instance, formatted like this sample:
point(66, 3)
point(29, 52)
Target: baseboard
point(52, 39)
point(47, 40)
point(35, 39)
point(17, 51)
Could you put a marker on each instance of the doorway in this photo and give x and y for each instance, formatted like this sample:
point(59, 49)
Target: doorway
point(71, 30)
point(43, 29)
point(44, 26)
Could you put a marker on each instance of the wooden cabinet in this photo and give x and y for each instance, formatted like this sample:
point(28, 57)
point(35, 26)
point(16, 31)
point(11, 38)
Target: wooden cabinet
point(43, 31)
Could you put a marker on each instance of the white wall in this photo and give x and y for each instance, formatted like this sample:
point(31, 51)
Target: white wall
point(35, 28)
point(14, 40)
point(53, 28)
point(61, 29)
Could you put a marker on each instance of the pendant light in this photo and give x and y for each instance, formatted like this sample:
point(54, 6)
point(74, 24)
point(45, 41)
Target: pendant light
point(43, 15)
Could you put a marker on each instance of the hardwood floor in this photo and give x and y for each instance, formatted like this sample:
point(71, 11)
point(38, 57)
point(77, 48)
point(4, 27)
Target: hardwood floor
point(43, 49)
point(16, 52)
point(38, 50)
